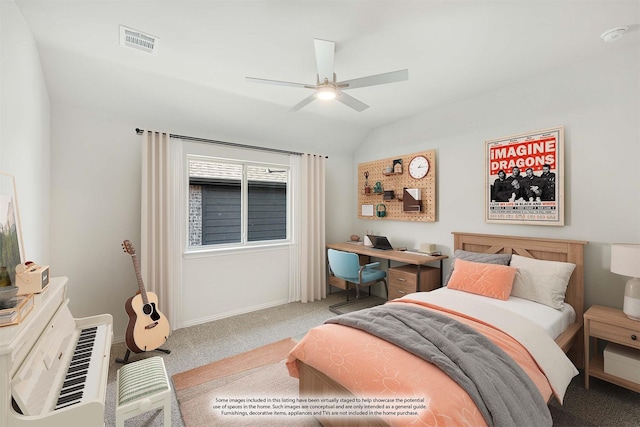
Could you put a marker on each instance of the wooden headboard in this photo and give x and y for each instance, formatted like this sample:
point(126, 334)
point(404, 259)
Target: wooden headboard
point(546, 249)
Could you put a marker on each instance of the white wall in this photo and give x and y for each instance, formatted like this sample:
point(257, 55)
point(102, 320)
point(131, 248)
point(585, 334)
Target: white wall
point(597, 102)
point(220, 285)
point(95, 205)
point(24, 129)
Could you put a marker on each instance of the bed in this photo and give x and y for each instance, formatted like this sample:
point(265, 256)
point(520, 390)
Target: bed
point(372, 364)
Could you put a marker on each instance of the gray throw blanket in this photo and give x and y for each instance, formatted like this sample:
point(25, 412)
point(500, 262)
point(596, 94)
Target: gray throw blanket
point(501, 390)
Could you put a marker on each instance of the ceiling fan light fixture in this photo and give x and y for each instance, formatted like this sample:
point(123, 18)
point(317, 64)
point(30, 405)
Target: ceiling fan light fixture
point(326, 92)
point(327, 86)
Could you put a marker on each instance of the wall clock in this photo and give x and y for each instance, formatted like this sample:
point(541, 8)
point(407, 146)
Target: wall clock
point(418, 167)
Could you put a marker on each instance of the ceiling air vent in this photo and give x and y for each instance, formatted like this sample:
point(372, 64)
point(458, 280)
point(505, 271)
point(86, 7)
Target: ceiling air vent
point(138, 40)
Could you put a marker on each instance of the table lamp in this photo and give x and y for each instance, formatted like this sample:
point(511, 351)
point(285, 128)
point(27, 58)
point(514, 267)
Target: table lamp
point(625, 260)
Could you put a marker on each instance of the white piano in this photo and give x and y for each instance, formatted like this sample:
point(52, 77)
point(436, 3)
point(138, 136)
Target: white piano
point(53, 368)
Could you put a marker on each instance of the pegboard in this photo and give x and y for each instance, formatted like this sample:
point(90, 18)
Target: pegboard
point(397, 182)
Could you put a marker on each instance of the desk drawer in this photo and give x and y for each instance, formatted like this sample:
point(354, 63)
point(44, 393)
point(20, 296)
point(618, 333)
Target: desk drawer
point(399, 290)
point(337, 282)
point(405, 277)
point(619, 334)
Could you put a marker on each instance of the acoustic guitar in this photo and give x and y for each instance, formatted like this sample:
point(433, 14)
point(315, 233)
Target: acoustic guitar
point(148, 329)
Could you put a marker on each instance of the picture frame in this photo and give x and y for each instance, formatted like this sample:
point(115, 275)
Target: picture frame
point(366, 210)
point(536, 161)
point(12, 252)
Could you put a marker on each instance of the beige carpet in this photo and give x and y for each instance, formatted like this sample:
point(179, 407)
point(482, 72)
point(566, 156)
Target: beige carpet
point(257, 374)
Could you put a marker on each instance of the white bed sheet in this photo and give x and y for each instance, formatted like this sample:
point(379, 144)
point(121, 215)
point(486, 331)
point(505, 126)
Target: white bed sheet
point(553, 321)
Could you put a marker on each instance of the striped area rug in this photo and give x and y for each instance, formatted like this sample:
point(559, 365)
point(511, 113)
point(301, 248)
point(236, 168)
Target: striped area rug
point(265, 355)
point(258, 373)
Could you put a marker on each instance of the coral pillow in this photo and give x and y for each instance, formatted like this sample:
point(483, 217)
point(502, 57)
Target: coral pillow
point(502, 259)
point(490, 280)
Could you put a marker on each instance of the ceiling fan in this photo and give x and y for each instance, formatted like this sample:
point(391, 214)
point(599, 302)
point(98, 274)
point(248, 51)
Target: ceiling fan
point(327, 87)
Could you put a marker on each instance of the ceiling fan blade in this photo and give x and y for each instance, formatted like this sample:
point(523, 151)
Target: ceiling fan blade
point(325, 53)
point(350, 101)
point(280, 83)
point(303, 103)
point(378, 79)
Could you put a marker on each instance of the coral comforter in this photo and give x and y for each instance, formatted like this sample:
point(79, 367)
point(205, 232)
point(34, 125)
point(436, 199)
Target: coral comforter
point(370, 367)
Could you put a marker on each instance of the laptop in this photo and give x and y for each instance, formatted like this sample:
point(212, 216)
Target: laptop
point(380, 242)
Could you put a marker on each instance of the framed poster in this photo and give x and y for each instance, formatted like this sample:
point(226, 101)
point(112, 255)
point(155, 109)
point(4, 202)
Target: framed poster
point(524, 178)
point(10, 233)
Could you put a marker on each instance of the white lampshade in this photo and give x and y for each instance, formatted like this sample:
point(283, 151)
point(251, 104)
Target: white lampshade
point(625, 260)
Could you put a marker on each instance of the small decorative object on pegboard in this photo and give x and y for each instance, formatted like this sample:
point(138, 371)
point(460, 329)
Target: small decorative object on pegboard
point(397, 166)
point(411, 200)
point(367, 189)
point(366, 210)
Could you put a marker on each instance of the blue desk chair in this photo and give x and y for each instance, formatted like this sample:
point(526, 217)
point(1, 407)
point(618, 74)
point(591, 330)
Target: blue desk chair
point(346, 266)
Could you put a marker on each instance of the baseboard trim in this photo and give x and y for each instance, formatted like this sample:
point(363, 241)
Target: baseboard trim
point(226, 314)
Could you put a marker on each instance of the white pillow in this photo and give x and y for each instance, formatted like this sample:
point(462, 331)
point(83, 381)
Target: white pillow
point(541, 281)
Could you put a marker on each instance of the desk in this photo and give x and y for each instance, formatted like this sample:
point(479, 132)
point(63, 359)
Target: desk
point(391, 255)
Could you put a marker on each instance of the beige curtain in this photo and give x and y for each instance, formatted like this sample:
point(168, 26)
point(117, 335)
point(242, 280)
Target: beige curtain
point(160, 222)
point(308, 256)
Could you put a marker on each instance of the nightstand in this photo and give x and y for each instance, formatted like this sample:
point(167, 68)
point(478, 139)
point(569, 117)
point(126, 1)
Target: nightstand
point(611, 325)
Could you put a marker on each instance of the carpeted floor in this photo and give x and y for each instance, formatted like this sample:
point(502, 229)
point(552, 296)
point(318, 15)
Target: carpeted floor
point(603, 404)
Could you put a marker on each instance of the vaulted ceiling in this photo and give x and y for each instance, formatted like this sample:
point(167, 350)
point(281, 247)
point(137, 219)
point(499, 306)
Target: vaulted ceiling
point(453, 50)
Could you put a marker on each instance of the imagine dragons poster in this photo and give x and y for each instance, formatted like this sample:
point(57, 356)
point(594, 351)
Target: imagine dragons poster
point(524, 178)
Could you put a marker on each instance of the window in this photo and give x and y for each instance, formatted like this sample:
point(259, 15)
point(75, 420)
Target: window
point(236, 203)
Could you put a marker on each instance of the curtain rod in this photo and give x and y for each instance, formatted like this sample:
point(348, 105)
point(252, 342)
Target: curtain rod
point(230, 144)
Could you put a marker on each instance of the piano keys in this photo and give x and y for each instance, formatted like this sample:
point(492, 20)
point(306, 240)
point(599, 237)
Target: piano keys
point(81, 375)
point(54, 367)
